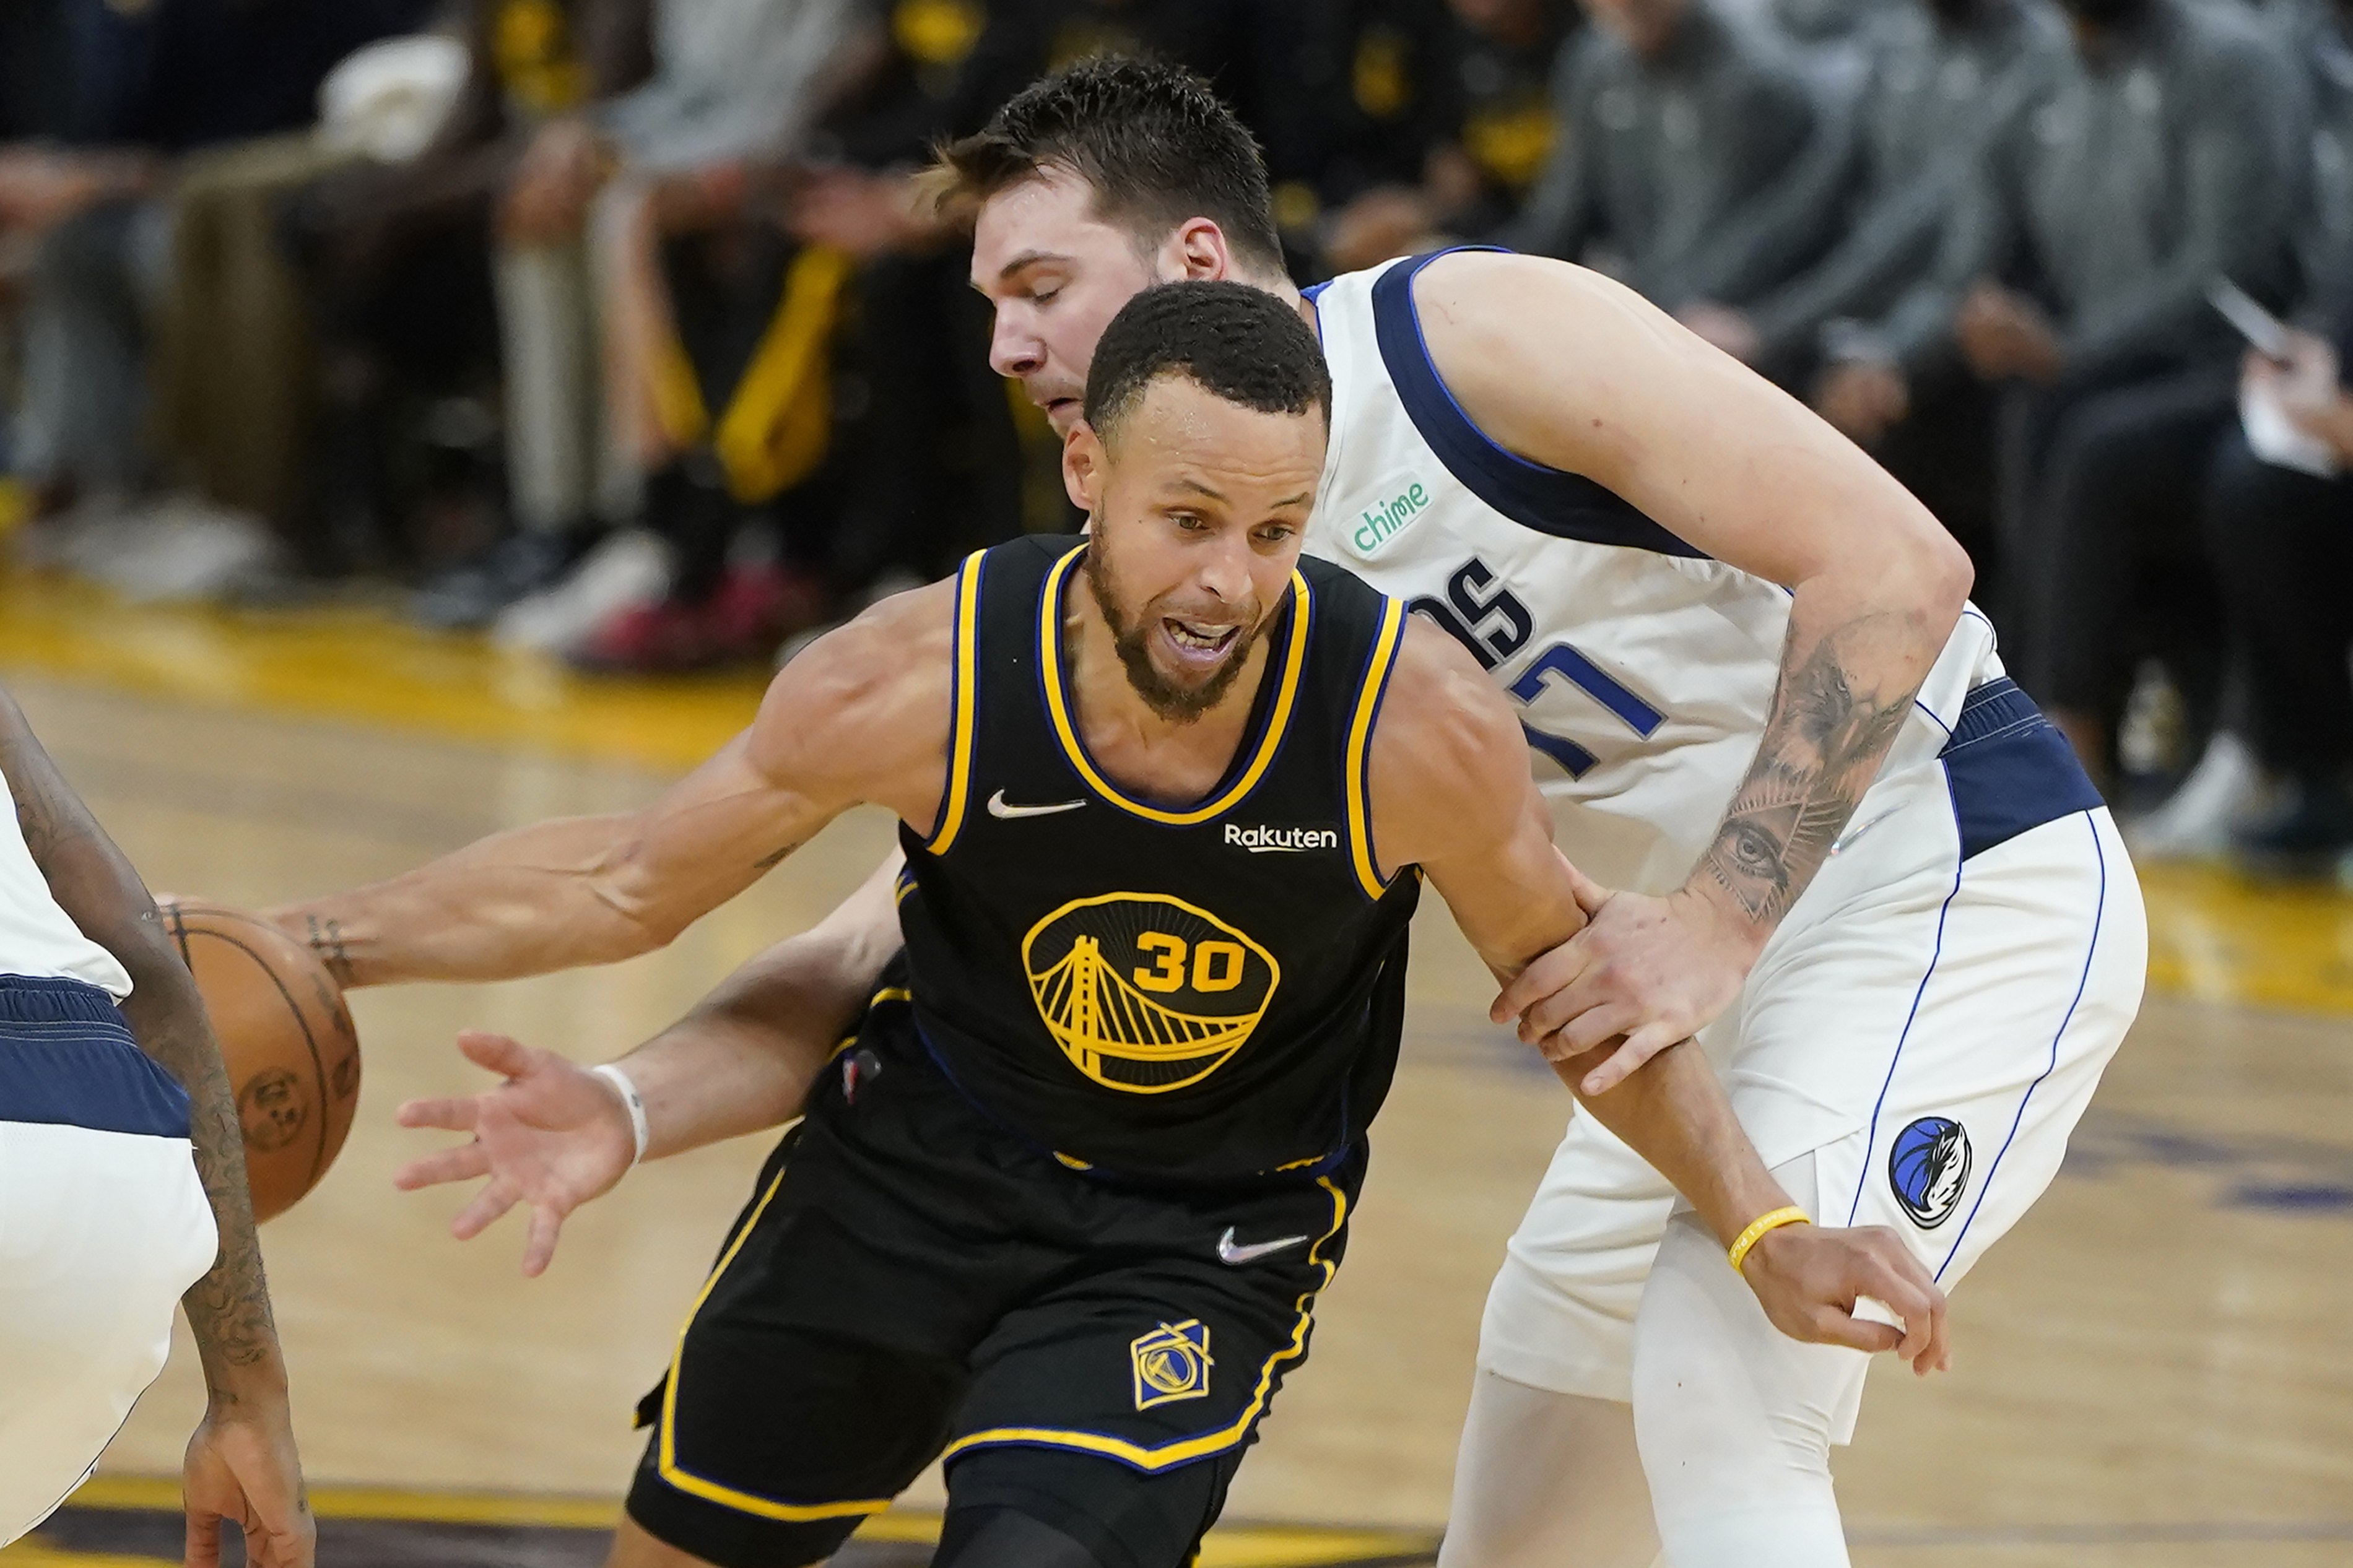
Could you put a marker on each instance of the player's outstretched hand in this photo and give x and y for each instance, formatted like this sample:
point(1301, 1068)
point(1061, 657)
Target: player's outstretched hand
point(1809, 1279)
point(551, 1136)
point(241, 1469)
point(1656, 970)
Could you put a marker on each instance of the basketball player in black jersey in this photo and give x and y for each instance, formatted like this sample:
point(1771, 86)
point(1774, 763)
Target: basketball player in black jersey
point(1061, 1207)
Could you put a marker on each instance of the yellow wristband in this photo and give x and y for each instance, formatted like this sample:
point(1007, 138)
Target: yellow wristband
point(1757, 1230)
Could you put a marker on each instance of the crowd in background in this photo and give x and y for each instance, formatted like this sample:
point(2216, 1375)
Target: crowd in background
point(617, 329)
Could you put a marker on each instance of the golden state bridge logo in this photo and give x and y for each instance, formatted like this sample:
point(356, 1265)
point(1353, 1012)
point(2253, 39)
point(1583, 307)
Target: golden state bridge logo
point(1146, 993)
point(1171, 1363)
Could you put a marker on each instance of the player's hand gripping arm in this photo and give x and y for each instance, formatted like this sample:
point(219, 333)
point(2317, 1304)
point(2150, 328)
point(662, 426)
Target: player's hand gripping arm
point(861, 716)
point(1567, 368)
point(1451, 792)
point(241, 1464)
point(554, 1135)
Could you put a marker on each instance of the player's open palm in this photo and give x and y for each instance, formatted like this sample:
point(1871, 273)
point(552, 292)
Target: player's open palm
point(1811, 1278)
point(242, 1469)
point(551, 1136)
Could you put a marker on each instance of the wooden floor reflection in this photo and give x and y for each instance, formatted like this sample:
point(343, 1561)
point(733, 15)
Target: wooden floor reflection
point(2155, 1371)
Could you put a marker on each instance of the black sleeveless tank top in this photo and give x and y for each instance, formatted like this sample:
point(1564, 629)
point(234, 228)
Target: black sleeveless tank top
point(1193, 995)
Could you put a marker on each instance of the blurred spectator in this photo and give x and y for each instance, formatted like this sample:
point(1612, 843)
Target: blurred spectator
point(398, 256)
point(2080, 266)
point(2279, 529)
point(601, 391)
point(1697, 161)
point(1438, 117)
point(154, 91)
point(1944, 80)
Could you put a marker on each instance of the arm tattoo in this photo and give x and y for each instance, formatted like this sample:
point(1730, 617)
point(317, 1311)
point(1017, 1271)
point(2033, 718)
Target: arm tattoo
point(1821, 747)
point(228, 1308)
point(326, 939)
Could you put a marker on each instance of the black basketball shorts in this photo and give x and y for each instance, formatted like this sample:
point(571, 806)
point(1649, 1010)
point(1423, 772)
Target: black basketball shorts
point(911, 1278)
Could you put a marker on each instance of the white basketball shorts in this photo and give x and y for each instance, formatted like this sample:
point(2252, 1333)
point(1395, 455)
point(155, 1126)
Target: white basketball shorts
point(1929, 1023)
point(103, 1224)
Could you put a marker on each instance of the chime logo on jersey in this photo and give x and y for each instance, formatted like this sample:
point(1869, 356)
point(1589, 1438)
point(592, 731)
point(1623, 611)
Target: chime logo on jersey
point(1146, 993)
point(1929, 1169)
point(1402, 500)
point(1171, 1363)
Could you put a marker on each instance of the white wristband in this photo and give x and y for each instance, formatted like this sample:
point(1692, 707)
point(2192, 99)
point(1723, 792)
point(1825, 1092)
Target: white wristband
point(633, 1101)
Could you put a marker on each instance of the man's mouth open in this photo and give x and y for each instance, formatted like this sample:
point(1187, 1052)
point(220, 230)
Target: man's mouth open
point(1198, 645)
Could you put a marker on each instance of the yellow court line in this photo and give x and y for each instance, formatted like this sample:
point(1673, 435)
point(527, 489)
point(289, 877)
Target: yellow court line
point(1239, 1545)
point(359, 665)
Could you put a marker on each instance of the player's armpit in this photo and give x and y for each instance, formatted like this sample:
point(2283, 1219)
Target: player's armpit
point(861, 716)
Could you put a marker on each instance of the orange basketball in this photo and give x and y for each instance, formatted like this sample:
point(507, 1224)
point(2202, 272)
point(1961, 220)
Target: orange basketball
point(293, 1058)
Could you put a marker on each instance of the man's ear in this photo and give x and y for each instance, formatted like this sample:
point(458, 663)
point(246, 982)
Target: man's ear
point(1085, 466)
point(1196, 253)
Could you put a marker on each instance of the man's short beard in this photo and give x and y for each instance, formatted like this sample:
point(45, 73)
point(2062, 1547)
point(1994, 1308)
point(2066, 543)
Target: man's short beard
point(1177, 704)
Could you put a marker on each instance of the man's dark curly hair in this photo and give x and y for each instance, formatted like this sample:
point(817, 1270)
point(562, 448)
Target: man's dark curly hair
point(1151, 139)
point(1237, 342)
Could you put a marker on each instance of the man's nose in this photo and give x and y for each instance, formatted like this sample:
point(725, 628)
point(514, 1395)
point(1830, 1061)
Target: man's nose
point(1224, 570)
point(1013, 350)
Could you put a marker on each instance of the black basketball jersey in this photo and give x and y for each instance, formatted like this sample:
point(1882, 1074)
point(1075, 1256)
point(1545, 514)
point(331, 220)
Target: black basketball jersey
point(1195, 994)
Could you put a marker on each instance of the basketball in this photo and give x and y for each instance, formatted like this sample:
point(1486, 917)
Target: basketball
point(292, 1056)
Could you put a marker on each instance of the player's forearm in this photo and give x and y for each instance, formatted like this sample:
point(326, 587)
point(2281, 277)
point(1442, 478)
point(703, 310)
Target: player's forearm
point(1674, 1114)
point(527, 901)
point(1859, 646)
point(744, 1059)
point(228, 1308)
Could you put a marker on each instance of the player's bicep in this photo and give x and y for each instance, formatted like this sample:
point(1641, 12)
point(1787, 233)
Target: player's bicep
point(1451, 792)
point(1570, 370)
point(91, 880)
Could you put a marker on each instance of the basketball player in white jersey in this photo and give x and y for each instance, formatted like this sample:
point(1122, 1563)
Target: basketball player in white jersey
point(106, 1219)
point(1850, 856)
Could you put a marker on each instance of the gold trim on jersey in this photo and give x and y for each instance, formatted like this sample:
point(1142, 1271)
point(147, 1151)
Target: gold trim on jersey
point(1143, 992)
point(1057, 706)
point(1186, 1450)
point(666, 1455)
point(967, 638)
point(1360, 739)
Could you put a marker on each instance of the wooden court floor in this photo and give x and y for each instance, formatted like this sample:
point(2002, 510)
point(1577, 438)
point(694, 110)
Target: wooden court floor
point(2155, 1371)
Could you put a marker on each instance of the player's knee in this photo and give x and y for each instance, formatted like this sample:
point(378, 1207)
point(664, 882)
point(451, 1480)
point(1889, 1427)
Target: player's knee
point(1025, 1507)
point(1006, 1538)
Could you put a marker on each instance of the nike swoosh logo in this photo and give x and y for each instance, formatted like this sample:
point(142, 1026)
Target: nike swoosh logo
point(1847, 838)
point(997, 807)
point(1229, 1252)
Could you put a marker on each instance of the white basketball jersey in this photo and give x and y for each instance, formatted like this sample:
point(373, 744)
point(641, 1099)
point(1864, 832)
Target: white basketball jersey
point(1643, 669)
point(36, 937)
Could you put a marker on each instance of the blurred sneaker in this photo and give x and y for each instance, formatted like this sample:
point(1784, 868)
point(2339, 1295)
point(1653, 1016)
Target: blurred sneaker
point(177, 549)
point(740, 623)
point(470, 596)
point(2225, 789)
point(629, 569)
point(2302, 837)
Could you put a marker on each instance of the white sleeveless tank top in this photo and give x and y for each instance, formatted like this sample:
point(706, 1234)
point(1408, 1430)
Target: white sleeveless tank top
point(36, 937)
point(1643, 669)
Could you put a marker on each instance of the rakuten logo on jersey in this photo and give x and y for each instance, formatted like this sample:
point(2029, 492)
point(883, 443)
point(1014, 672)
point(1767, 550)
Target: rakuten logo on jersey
point(1288, 840)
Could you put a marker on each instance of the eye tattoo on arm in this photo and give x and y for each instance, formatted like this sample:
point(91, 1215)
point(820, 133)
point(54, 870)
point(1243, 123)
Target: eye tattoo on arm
point(1822, 745)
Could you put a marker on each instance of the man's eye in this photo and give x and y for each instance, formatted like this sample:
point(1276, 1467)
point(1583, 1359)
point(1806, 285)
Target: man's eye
point(1189, 521)
point(1043, 295)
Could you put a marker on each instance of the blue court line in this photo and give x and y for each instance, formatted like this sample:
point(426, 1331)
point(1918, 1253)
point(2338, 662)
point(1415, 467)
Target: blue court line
point(2187, 1531)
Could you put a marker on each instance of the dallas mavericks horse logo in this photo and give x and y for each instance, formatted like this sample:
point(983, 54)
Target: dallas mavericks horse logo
point(1929, 1169)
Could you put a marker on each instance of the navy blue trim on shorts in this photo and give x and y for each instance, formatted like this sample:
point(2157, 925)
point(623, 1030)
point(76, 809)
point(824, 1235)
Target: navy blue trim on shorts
point(1549, 501)
point(2010, 769)
point(66, 1059)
